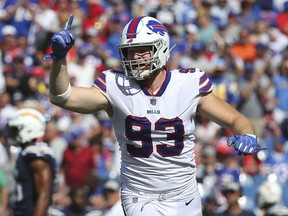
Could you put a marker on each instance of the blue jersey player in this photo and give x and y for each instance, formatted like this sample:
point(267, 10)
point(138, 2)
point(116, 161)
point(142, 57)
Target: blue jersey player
point(35, 165)
point(153, 112)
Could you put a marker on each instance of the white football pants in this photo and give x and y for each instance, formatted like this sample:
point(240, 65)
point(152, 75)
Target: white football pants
point(185, 203)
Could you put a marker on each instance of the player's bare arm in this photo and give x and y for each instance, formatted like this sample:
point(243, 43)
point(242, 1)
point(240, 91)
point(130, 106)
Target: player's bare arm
point(83, 100)
point(43, 182)
point(244, 140)
point(222, 113)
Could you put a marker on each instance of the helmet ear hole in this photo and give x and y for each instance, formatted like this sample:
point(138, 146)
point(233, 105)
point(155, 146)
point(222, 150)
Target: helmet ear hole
point(12, 131)
point(125, 52)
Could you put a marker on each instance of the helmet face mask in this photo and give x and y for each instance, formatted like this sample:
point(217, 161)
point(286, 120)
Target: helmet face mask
point(144, 32)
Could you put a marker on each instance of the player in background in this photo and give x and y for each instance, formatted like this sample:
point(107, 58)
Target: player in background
point(35, 164)
point(153, 110)
point(269, 200)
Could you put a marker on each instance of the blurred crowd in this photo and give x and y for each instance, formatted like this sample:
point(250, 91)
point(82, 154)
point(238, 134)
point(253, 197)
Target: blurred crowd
point(241, 44)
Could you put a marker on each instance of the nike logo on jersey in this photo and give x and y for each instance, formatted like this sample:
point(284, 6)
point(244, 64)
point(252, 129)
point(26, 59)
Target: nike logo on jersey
point(187, 203)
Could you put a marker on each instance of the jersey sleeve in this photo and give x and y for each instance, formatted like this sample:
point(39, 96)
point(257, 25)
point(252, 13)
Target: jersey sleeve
point(100, 82)
point(205, 85)
point(106, 80)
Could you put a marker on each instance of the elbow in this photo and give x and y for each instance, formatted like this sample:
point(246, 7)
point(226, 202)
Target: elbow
point(58, 103)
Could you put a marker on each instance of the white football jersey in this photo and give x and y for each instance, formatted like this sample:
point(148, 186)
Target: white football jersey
point(156, 132)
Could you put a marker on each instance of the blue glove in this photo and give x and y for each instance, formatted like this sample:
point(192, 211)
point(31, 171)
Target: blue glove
point(245, 144)
point(61, 42)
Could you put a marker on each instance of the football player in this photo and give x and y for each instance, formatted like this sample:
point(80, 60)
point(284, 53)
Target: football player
point(269, 200)
point(153, 112)
point(35, 164)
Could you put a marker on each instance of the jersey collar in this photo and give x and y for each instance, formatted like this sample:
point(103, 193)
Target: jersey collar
point(163, 87)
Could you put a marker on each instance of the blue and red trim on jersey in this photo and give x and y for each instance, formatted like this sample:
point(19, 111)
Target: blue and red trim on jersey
point(100, 82)
point(162, 88)
point(205, 85)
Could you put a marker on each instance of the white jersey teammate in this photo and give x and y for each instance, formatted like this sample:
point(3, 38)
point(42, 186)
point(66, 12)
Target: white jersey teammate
point(153, 111)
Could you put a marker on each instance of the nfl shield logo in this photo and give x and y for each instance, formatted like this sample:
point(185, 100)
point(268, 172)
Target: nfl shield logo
point(153, 101)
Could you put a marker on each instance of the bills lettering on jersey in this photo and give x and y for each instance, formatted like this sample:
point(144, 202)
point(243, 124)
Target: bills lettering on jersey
point(153, 111)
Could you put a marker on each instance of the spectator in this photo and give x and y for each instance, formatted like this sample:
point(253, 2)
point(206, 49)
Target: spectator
point(113, 33)
point(79, 13)
point(54, 137)
point(88, 123)
point(102, 158)
point(276, 162)
point(207, 29)
point(208, 131)
point(232, 192)
point(110, 143)
point(250, 11)
point(112, 199)
point(225, 86)
point(244, 48)
point(78, 205)
point(209, 206)
point(281, 91)
point(196, 57)
point(75, 171)
point(16, 71)
point(282, 19)
point(164, 13)
point(45, 23)
point(191, 36)
point(220, 12)
point(92, 18)
point(250, 97)
point(7, 109)
point(207, 173)
point(21, 16)
point(260, 33)
point(233, 28)
point(144, 7)
point(278, 42)
point(9, 47)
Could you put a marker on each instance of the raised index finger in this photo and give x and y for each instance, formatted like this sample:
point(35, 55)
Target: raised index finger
point(69, 22)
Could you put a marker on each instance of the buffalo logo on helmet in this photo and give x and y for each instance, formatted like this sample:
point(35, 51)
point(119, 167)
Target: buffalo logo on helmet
point(156, 27)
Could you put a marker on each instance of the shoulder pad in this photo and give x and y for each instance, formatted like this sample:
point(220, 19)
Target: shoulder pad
point(94, 213)
point(39, 149)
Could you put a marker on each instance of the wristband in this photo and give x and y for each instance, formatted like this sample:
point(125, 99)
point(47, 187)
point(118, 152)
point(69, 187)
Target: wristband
point(61, 97)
